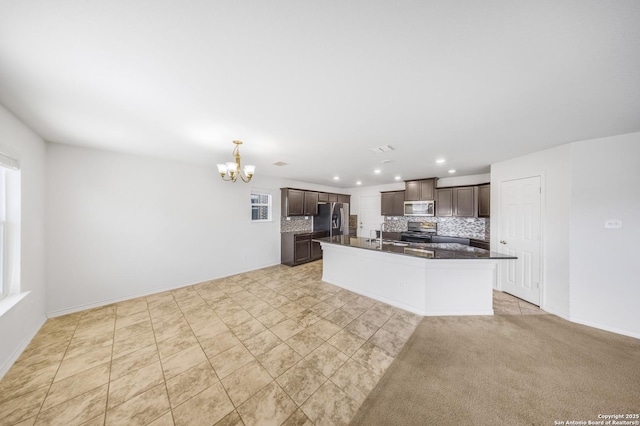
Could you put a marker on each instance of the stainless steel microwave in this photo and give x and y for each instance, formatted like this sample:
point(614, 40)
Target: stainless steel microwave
point(419, 208)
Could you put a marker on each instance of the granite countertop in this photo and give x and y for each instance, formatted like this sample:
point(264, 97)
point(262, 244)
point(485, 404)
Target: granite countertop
point(300, 232)
point(484, 240)
point(425, 250)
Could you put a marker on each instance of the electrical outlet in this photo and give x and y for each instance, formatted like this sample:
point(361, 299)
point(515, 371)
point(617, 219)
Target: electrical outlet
point(613, 224)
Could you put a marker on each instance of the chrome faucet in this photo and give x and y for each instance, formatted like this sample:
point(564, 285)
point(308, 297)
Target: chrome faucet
point(382, 225)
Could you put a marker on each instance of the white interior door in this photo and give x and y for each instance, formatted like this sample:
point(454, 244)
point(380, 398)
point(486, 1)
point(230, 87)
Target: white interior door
point(520, 236)
point(369, 218)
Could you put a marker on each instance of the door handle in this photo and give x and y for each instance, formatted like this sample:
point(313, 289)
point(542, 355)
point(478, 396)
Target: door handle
point(503, 242)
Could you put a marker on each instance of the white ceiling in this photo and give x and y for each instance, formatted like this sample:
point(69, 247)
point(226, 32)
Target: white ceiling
point(317, 83)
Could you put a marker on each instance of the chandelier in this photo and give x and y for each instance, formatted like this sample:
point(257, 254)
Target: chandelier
point(230, 171)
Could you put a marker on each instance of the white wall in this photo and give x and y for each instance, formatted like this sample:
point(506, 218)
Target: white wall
point(120, 225)
point(605, 277)
point(590, 274)
point(367, 191)
point(463, 180)
point(22, 321)
point(554, 167)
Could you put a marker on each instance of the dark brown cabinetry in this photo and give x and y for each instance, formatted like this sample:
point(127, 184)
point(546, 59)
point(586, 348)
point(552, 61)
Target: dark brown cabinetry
point(310, 203)
point(392, 203)
point(316, 248)
point(444, 202)
point(480, 244)
point(302, 248)
point(464, 201)
point(298, 248)
point(420, 190)
point(292, 202)
point(324, 197)
point(298, 202)
point(457, 202)
point(394, 236)
point(484, 200)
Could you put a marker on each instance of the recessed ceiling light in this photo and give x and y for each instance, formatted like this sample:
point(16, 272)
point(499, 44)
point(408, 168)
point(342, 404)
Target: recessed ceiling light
point(452, 171)
point(336, 178)
point(440, 160)
point(377, 171)
point(359, 183)
point(280, 164)
point(386, 161)
point(398, 178)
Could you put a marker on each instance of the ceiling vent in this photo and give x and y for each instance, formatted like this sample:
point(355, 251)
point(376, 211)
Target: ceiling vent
point(280, 164)
point(380, 149)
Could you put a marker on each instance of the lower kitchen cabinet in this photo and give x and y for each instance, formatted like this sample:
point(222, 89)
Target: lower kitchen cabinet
point(297, 248)
point(480, 244)
point(302, 248)
point(316, 247)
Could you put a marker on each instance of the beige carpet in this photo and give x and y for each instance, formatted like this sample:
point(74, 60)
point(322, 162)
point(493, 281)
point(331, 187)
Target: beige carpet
point(506, 370)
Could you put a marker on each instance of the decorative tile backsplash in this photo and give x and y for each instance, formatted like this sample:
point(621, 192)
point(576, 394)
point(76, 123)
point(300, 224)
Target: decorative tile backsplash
point(468, 227)
point(296, 224)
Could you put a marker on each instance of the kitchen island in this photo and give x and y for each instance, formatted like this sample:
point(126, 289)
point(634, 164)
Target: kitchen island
point(427, 279)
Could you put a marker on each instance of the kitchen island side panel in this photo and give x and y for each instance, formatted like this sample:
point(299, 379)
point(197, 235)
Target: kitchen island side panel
point(423, 286)
point(374, 274)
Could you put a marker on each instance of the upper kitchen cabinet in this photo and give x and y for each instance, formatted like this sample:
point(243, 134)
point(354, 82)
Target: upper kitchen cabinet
point(420, 190)
point(392, 203)
point(296, 202)
point(484, 200)
point(310, 203)
point(457, 202)
point(292, 202)
point(444, 202)
point(299, 202)
point(344, 199)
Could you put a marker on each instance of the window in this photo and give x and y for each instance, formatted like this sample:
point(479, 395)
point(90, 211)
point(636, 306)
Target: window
point(4, 288)
point(260, 207)
point(9, 226)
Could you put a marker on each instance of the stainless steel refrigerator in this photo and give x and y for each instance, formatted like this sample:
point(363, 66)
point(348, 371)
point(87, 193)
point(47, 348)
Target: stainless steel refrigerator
point(333, 218)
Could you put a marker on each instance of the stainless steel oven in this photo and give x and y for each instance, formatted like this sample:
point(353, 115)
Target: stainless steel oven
point(419, 232)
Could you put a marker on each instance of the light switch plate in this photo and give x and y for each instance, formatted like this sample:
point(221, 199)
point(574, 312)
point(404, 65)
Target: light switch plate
point(613, 224)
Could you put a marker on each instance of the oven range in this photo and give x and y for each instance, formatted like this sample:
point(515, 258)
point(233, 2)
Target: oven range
point(419, 232)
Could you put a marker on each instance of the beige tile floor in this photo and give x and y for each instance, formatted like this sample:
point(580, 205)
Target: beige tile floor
point(272, 346)
point(506, 304)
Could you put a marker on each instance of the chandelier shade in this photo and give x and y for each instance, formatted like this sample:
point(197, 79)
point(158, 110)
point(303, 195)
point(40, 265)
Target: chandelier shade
point(231, 170)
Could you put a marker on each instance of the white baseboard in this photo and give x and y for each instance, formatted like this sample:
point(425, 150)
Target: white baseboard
point(97, 304)
point(19, 349)
point(552, 311)
point(605, 327)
